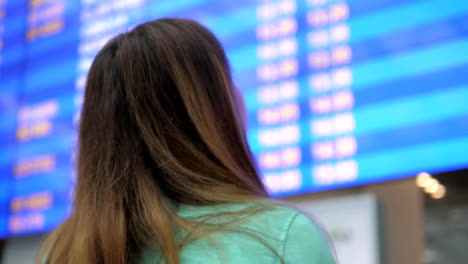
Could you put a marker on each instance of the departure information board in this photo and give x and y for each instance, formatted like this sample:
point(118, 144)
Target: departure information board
point(339, 92)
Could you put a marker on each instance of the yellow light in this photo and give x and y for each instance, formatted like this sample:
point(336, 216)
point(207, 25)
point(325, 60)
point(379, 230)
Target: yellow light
point(432, 187)
point(422, 178)
point(429, 182)
point(440, 193)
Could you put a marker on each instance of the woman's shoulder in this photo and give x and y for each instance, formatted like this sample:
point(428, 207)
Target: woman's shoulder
point(265, 211)
point(262, 215)
point(286, 230)
point(300, 237)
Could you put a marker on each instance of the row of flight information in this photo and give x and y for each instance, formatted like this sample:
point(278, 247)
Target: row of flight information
point(338, 93)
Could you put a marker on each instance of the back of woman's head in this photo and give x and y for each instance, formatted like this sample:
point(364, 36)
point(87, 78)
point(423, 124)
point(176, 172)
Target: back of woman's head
point(160, 126)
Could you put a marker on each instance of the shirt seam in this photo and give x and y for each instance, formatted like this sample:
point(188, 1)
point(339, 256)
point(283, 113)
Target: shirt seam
point(285, 234)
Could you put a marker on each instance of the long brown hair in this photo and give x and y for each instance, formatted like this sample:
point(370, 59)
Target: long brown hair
point(161, 125)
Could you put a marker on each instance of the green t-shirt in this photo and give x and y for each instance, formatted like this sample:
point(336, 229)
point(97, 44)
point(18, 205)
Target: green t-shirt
point(286, 231)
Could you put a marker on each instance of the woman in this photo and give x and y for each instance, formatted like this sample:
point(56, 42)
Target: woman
point(165, 174)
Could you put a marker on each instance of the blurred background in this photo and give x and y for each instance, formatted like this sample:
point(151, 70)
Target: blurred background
point(357, 112)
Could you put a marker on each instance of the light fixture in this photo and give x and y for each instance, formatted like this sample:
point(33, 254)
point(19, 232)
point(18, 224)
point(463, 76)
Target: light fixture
point(433, 187)
point(429, 183)
point(422, 178)
point(440, 193)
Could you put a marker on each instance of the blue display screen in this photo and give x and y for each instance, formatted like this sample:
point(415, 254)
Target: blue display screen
point(339, 92)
